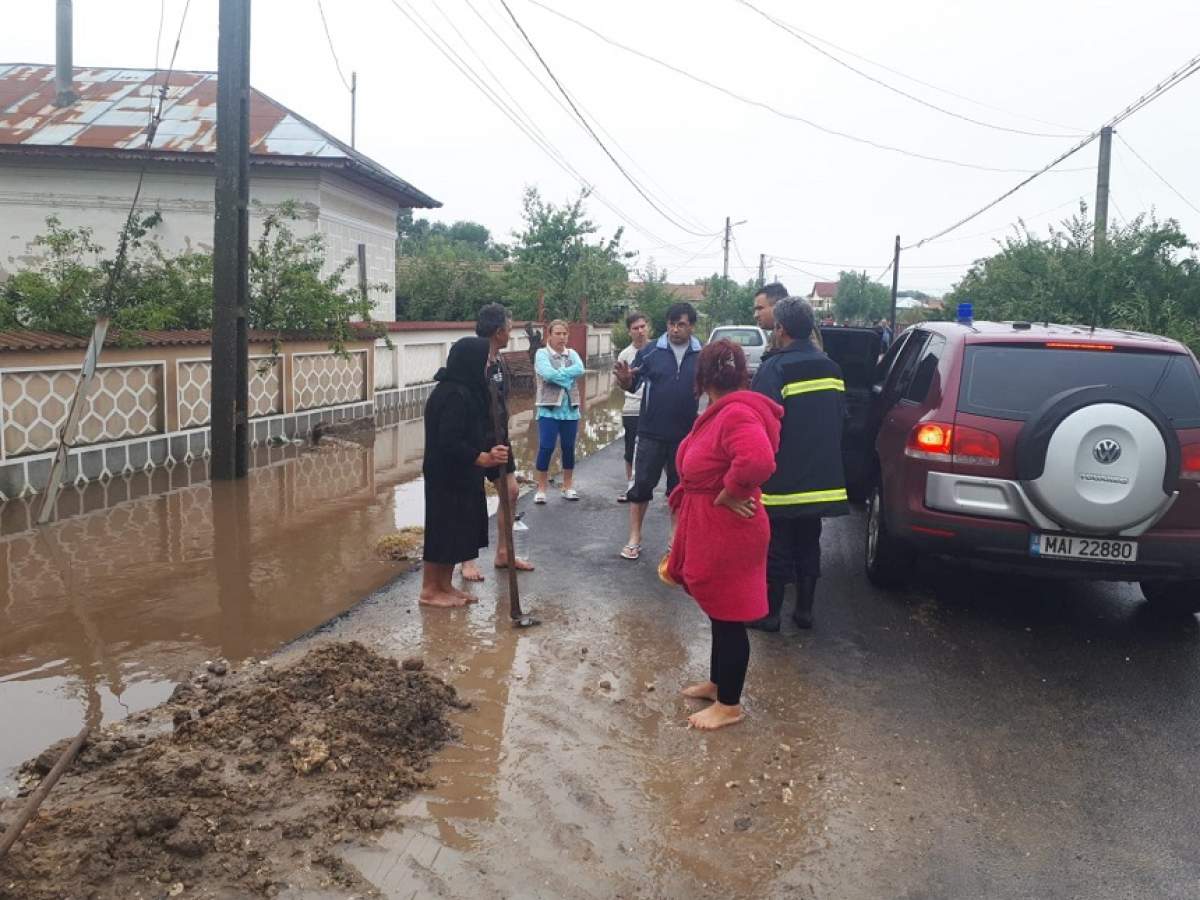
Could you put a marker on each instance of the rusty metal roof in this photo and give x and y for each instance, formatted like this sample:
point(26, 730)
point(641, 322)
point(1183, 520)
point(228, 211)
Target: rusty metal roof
point(114, 110)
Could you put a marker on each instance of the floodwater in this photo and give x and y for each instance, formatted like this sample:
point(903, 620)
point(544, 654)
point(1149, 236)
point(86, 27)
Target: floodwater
point(143, 578)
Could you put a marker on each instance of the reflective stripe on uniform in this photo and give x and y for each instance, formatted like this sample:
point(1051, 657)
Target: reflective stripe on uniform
point(805, 497)
point(816, 384)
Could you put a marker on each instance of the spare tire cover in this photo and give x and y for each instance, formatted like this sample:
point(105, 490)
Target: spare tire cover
point(1099, 460)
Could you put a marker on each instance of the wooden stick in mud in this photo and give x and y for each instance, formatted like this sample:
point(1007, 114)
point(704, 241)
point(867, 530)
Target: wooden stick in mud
point(43, 789)
point(506, 534)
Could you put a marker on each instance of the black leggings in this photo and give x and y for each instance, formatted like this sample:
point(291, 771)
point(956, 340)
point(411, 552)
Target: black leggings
point(730, 659)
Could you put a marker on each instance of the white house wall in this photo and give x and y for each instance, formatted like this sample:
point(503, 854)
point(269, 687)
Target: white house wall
point(98, 196)
point(350, 215)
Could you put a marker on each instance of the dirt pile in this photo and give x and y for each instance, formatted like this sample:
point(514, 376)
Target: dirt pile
point(243, 790)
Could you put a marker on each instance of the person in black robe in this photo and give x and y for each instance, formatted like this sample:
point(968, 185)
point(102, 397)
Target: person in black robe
point(456, 455)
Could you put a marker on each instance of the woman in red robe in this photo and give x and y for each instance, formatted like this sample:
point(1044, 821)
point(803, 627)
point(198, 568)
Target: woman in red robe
point(719, 554)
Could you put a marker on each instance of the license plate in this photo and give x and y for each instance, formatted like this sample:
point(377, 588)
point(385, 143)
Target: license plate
point(1059, 546)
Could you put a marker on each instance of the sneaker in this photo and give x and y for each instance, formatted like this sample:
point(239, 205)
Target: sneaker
point(570, 494)
point(539, 498)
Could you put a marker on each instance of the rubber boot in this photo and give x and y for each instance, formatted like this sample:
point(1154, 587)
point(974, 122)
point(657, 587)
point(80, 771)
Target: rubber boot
point(806, 591)
point(770, 622)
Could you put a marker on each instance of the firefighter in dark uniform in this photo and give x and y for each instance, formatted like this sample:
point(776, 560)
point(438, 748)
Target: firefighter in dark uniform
point(809, 483)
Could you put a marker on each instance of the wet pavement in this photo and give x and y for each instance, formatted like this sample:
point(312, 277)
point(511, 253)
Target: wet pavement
point(973, 737)
point(143, 578)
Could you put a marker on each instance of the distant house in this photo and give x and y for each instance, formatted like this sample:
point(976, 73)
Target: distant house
point(81, 163)
point(822, 296)
point(692, 293)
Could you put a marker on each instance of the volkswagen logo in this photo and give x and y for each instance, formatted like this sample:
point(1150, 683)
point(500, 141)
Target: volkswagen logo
point(1107, 452)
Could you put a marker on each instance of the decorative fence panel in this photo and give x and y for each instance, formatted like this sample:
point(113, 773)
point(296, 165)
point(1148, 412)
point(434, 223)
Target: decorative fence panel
point(327, 379)
point(386, 371)
point(123, 402)
point(195, 390)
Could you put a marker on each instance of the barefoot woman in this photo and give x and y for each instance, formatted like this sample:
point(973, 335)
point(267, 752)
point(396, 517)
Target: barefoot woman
point(456, 522)
point(720, 551)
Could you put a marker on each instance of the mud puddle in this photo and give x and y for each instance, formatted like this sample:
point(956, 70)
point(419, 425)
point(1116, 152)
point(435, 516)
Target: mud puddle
point(144, 577)
point(239, 786)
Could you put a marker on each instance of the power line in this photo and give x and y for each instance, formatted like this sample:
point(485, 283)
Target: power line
point(762, 104)
point(332, 50)
point(798, 35)
point(567, 96)
point(555, 156)
point(935, 87)
point(1074, 201)
point(1179, 75)
point(1155, 171)
point(860, 266)
point(563, 106)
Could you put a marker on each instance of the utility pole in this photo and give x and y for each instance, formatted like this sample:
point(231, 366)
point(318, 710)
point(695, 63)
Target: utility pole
point(762, 269)
point(728, 234)
point(895, 283)
point(231, 245)
point(1102, 174)
point(64, 68)
point(353, 108)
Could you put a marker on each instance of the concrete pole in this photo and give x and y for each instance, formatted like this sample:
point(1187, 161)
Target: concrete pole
point(64, 69)
point(728, 232)
point(1102, 179)
point(231, 246)
point(895, 283)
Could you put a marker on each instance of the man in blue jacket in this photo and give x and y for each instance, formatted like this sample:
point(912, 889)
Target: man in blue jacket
point(809, 483)
point(667, 369)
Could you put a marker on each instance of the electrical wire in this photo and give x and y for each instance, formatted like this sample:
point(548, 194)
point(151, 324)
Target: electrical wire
point(1075, 201)
point(944, 90)
point(860, 266)
point(1156, 174)
point(566, 109)
point(1178, 76)
point(550, 151)
point(616, 162)
point(332, 50)
point(798, 35)
point(774, 110)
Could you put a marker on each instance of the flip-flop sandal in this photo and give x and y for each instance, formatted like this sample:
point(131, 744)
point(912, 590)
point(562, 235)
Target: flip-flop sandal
point(631, 551)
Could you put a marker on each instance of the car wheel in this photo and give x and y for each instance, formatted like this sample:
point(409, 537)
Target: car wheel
point(1173, 597)
point(888, 561)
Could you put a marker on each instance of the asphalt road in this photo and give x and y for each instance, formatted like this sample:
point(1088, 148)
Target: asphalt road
point(974, 737)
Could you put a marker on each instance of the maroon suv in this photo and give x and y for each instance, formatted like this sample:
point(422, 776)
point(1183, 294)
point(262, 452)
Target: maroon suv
point(1046, 449)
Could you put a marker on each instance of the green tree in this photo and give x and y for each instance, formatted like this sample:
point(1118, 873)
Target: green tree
point(726, 302)
point(861, 299)
point(468, 239)
point(441, 284)
point(73, 282)
point(1144, 277)
point(556, 252)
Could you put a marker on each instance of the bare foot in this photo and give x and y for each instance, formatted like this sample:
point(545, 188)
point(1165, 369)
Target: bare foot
point(716, 716)
point(523, 565)
point(458, 592)
point(705, 690)
point(470, 572)
point(439, 599)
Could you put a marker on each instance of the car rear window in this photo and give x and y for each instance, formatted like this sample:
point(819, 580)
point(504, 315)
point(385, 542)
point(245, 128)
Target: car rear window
point(1011, 382)
point(747, 337)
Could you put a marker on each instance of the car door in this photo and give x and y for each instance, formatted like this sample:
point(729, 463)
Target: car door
point(897, 411)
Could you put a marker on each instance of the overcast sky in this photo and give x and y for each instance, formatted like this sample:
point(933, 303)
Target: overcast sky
point(805, 195)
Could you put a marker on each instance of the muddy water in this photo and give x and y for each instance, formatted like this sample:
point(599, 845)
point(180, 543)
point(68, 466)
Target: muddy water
point(143, 578)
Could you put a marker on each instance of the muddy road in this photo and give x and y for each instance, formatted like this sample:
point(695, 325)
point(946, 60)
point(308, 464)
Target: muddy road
point(973, 737)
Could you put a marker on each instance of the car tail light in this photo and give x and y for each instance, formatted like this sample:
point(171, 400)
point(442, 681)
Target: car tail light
point(1079, 345)
point(1190, 468)
point(953, 443)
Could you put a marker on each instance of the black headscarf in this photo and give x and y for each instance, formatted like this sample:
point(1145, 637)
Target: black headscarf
point(466, 365)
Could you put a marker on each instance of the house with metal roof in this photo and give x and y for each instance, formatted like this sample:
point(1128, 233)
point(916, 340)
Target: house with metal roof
point(81, 162)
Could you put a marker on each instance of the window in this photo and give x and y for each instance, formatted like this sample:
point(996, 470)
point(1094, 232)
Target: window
point(926, 369)
point(747, 337)
point(1010, 382)
point(906, 364)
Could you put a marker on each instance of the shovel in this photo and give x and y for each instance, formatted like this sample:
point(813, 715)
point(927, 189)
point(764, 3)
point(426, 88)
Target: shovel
point(519, 619)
